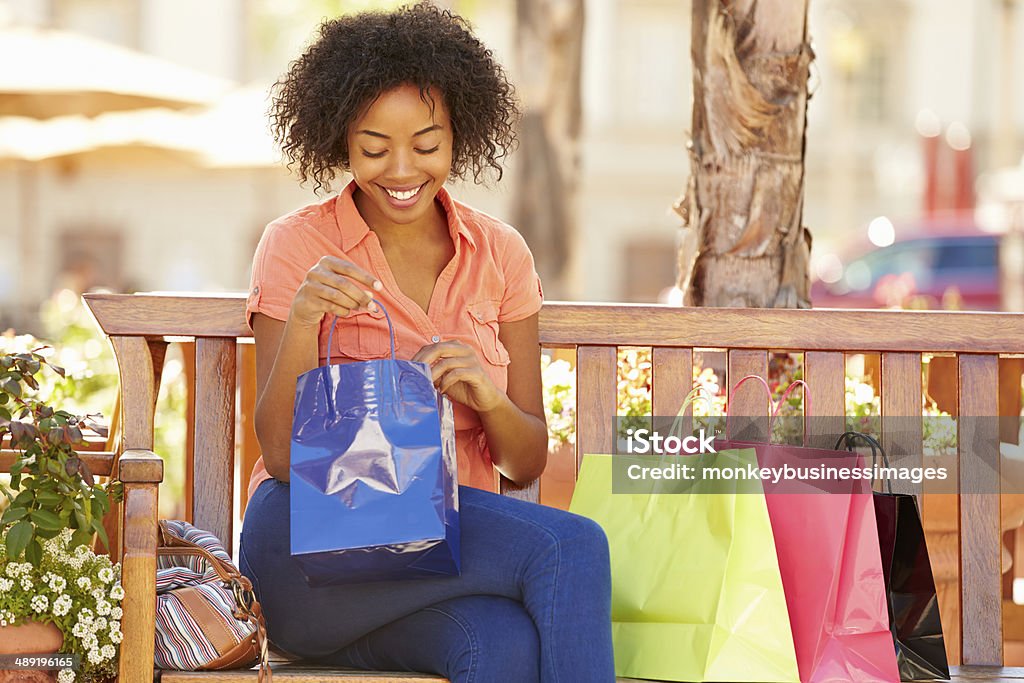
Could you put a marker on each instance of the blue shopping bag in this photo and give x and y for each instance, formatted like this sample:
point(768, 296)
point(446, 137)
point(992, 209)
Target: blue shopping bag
point(373, 473)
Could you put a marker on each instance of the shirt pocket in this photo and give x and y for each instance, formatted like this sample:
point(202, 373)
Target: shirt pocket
point(362, 335)
point(485, 327)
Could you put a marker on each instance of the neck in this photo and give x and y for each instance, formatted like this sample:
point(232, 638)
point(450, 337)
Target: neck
point(434, 221)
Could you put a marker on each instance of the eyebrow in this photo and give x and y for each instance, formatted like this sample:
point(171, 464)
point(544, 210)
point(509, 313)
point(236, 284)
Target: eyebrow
point(388, 137)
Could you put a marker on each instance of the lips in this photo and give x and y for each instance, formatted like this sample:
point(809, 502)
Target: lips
point(402, 197)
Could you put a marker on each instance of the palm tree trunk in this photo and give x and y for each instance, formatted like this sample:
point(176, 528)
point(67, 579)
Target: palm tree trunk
point(744, 199)
point(549, 42)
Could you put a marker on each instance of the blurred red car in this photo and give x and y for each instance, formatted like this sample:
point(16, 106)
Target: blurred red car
point(954, 268)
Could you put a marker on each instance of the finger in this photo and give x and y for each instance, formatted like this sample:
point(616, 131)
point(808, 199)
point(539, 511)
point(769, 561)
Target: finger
point(446, 365)
point(352, 271)
point(450, 349)
point(335, 301)
point(454, 377)
point(343, 285)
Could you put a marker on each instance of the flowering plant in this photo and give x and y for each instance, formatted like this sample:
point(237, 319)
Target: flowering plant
point(54, 508)
point(75, 589)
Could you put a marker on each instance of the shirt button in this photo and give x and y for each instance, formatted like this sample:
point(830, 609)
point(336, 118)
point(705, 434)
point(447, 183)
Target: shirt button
point(255, 290)
point(435, 339)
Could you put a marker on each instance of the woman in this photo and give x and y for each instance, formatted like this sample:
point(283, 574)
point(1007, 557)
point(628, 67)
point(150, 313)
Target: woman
point(404, 101)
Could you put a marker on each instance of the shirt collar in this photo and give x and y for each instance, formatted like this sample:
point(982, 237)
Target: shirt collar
point(354, 229)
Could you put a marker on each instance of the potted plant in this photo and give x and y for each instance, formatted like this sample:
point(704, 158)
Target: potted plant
point(50, 578)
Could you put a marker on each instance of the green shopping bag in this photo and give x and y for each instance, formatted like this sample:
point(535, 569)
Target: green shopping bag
point(696, 589)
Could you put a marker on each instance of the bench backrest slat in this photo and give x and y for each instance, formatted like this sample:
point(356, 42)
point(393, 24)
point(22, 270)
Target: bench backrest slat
point(825, 373)
point(901, 395)
point(596, 387)
point(671, 381)
point(213, 480)
point(980, 537)
point(749, 404)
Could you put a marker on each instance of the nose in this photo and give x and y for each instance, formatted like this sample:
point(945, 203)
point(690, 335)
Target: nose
point(403, 165)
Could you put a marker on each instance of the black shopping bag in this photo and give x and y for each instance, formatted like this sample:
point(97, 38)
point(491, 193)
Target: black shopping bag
point(909, 584)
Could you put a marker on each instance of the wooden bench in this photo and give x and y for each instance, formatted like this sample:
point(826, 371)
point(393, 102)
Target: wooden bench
point(141, 326)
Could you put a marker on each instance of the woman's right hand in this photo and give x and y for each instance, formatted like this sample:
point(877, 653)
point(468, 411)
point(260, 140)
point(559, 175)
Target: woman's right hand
point(333, 286)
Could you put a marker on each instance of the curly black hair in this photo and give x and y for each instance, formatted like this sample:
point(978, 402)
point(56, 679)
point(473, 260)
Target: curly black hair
point(358, 57)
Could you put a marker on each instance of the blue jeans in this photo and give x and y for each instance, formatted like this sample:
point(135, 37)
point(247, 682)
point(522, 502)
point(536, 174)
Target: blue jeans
point(533, 602)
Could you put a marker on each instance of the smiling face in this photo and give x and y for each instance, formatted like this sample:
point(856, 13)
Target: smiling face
point(400, 154)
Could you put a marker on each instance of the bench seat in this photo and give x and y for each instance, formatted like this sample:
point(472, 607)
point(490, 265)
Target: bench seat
point(295, 673)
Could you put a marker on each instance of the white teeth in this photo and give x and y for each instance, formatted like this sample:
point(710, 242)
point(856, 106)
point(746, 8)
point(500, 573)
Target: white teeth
point(402, 196)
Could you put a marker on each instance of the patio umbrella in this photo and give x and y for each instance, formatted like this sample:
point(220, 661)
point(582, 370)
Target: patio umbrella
point(55, 73)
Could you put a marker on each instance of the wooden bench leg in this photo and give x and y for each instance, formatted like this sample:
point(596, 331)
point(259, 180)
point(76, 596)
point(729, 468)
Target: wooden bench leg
point(138, 576)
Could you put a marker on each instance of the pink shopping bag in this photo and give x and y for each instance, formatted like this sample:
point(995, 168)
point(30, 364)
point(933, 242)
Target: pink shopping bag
point(830, 562)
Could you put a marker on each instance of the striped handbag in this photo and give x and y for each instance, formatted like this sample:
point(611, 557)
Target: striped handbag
point(207, 617)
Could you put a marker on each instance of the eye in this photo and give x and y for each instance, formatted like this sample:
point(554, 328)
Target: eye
point(429, 151)
point(373, 155)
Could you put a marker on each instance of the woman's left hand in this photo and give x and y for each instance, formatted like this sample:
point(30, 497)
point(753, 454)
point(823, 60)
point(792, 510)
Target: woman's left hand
point(457, 373)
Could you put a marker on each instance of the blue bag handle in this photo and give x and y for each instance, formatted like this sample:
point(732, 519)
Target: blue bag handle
point(390, 371)
point(391, 331)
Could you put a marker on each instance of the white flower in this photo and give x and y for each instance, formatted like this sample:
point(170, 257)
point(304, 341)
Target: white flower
point(98, 594)
point(102, 607)
point(80, 630)
point(107, 651)
point(85, 614)
point(6, 585)
point(12, 570)
point(94, 656)
point(40, 603)
point(115, 635)
point(116, 613)
point(66, 676)
point(100, 624)
point(82, 551)
point(83, 581)
point(90, 641)
point(58, 584)
point(117, 592)
point(62, 605)
point(106, 575)
point(26, 583)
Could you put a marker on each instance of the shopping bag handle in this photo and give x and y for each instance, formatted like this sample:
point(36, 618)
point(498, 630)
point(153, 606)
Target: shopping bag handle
point(391, 332)
point(782, 400)
point(876, 450)
point(698, 392)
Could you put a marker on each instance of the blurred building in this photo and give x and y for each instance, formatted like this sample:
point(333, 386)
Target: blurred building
point(146, 217)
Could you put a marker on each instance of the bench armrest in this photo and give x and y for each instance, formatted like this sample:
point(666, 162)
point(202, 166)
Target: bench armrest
point(138, 466)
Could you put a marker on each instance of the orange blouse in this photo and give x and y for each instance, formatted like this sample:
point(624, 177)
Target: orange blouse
point(490, 280)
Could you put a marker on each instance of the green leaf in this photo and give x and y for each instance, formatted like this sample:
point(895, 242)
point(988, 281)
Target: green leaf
point(13, 515)
point(46, 519)
point(47, 534)
point(48, 498)
point(34, 552)
point(24, 499)
point(98, 526)
point(18, 538)
point(81, 537)
point(83, 523)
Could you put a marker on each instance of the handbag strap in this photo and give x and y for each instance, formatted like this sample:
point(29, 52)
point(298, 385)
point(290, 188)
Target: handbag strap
point(247, 607)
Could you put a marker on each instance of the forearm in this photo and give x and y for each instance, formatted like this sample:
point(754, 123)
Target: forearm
point(297, 353)
point(517, 440)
